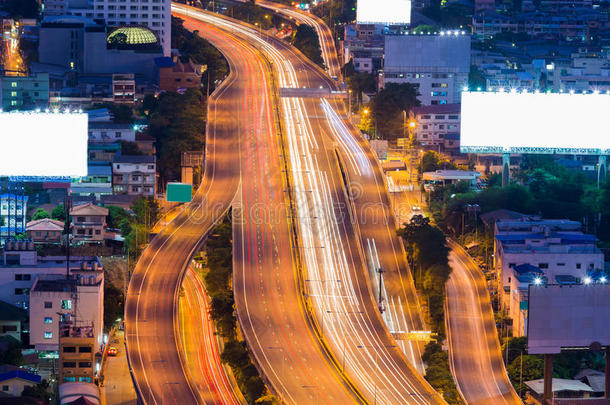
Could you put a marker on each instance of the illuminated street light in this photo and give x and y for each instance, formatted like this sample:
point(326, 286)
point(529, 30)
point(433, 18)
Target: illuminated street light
point(603, 279)
point(588, 280)
point(537, 281)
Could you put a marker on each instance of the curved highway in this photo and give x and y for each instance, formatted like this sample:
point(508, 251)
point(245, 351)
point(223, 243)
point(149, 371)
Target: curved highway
point(154, 349)
point(474, 350)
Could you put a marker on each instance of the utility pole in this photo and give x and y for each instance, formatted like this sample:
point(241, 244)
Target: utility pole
point(67, 209)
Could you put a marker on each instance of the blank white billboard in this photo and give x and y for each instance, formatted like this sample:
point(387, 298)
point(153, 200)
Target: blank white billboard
point(568, 316)
point(511, 122)
point(43, 144)
point(397, 12)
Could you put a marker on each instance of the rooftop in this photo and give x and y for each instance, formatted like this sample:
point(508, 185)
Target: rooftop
point(9, 312)
point(46, 224)
point(8, 372)
point(132, 36)
point(133, 159)
point(58, 285)
point(438, 109)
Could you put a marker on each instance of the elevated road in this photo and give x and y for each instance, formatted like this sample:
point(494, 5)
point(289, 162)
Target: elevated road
point(201, 346)
point(332, 255)
point(265, 284)
point(154, 349)
point(474, 350)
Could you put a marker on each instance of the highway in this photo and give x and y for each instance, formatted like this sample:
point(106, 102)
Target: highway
point(474, 350)
point(265, 285)
point(370, 201)
point(201, 345)
point(334, 261)
point(327, 43)
point(153, 343)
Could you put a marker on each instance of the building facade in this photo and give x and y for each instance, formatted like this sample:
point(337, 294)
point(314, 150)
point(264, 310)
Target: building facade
point(45, 230)
point(154, 14)
point(13, 209)
point(76, 353)
point(20, 264)
point(134, 175)
point(438, 127)
point(56, 300)
point(539, 251)
point(175, 75)
point(24, 92)
point(437, 65)
point(88, 222)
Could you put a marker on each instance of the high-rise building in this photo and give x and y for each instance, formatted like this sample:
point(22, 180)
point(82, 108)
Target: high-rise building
point(437, 64)
point(154, 14)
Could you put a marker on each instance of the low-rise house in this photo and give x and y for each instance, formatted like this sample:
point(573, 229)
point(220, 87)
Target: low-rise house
point(438, 127)
point(176, 75)
point(14, 379)
point(45, 230)
point(88, 222)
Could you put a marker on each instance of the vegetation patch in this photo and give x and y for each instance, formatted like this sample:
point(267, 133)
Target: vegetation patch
point(217, 258)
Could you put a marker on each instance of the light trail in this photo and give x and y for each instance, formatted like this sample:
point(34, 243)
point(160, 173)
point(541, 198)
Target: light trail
point(329, 252)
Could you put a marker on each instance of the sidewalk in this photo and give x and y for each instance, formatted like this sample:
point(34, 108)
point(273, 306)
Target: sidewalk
point(118, 386)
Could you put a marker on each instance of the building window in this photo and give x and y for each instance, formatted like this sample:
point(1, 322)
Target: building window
point(578, 265)
point(84, 364)
point(543, 265)
point(66, 304)
point(561, 264)
point(48, 335)
point(13, 84)
point(511, 265)
point(23, 277)
point(5, 388)
point(48, 304)
point(69, 364)
point(84, 379)
point(9, 328)
point(69, 349)
point(84, 349)
point(48, 319)
point(98, 232)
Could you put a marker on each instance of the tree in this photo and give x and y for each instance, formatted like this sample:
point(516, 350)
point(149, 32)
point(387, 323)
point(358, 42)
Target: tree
point(41, 213)
point(306, 40)
point(18, 9)
point(130, 148)
point(424, 28)
point(113, 305)
point(115, 216)
point(388, 107)
point(147, 210)
point(235, 354)
point(361, 82)
point(476, 78)
point(39, 391)
point(533, 369)
point(12, 354)
point(59, 213)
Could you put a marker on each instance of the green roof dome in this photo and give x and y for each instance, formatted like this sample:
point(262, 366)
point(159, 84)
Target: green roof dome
point(132, 36)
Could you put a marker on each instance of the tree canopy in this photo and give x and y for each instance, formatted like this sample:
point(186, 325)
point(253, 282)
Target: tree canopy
point(388, 106)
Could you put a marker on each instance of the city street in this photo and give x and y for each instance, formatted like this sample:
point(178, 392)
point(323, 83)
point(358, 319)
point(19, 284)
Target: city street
point(118, 385)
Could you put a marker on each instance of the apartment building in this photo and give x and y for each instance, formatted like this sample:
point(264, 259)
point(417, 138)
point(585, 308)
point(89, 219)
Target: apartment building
point(55, 300)
point(134, 175)
point(438, 127)
point(24, 92)
point(13, 210)
point(437, 64)
point(532, 250)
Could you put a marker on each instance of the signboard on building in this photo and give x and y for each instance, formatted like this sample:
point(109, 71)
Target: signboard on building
point(512, 122)
point(380, 147)
point(179, 192)
point(397, 12)
point(567, 316)
point(43, 144)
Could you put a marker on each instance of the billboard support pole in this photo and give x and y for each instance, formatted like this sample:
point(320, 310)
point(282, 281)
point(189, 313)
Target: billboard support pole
point(505, 169)
point(601, 170)
point(548, 379)
point(607, 377)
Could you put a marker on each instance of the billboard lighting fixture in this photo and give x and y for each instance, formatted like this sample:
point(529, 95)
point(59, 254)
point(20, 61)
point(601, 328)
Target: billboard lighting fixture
point(603, 279)
point(478, 89)
point(501, 89)
point(537, 281)
point(571, 91)
point(588, 280)
point(596, 91)
point(465, 88)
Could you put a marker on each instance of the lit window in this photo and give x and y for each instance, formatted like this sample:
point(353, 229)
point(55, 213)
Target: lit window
point(48, 319)
point(13, 94)
point(66, 304)
point(13, 84)
point(48, 335)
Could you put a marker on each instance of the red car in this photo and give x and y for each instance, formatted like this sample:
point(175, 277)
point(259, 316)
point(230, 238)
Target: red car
point(113, 351)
